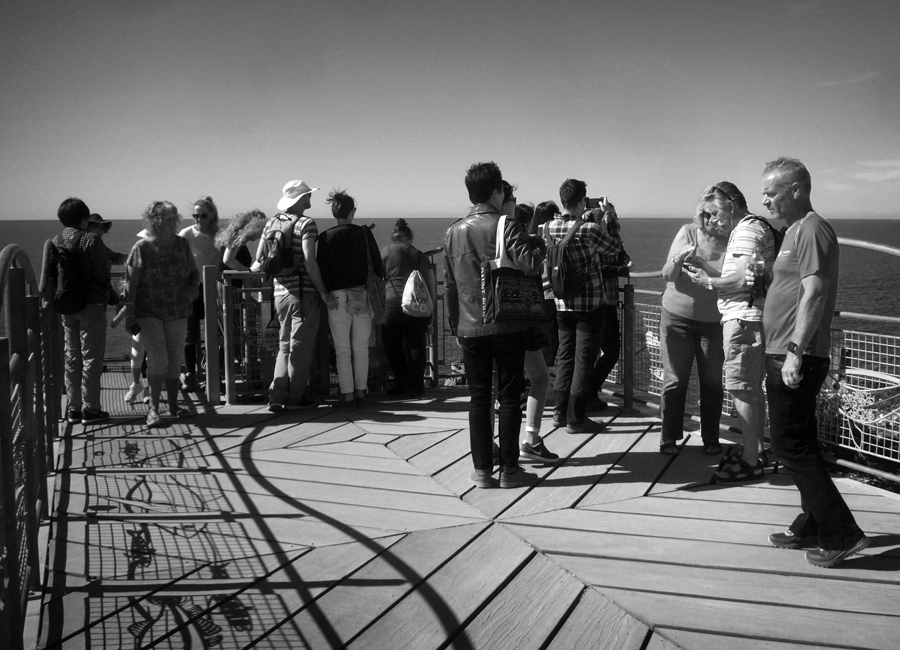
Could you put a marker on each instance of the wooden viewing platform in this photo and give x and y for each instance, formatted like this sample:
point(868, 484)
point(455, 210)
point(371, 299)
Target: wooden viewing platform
point(318, 528)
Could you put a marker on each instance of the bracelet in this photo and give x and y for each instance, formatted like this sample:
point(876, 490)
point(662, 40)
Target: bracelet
point(709, 283)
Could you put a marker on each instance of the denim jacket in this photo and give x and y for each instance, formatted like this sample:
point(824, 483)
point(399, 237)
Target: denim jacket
point(469, 242)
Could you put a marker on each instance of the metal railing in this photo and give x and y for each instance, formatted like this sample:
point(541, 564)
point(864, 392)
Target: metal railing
point(30, 389)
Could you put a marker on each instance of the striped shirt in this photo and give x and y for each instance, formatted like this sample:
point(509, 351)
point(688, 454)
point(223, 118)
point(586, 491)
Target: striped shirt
point(305, 228)
point(584, 249)
point(749, 235)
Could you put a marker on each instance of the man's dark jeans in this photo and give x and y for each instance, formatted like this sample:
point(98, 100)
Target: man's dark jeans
point(479, 354)
point(610, 346)
point(795, 440)
point(580, 333)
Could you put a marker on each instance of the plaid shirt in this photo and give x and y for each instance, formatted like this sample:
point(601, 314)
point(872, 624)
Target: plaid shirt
point(611, 284)
point(94, 263)
point(585, 248)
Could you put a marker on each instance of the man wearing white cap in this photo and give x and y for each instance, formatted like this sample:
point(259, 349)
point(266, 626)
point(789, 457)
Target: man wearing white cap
point(298, 293)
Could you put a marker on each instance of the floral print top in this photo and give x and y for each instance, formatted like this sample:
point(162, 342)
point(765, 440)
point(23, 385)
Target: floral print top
point(165, 289)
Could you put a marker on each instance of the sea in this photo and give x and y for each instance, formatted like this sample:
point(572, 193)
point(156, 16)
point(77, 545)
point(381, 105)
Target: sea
point(870, 281)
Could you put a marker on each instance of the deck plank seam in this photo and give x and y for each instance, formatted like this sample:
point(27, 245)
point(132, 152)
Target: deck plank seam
point(767, 639)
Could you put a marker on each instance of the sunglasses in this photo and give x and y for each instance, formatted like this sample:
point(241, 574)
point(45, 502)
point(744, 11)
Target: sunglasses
point(200, 216)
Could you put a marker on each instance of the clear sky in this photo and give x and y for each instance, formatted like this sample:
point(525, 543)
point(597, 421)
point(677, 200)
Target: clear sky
point(122, 102)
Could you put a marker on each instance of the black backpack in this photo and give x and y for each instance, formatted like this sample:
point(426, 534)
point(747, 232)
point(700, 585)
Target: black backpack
point(278, 247)
point(566, 281)
point(66, 265)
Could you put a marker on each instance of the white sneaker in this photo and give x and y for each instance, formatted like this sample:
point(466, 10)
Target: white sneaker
point(134, 392)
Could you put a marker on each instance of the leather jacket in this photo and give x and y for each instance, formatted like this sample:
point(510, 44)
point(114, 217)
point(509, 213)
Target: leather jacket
point(469, 242)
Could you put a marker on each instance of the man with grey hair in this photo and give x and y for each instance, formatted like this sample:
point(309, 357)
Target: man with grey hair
point(797, 322)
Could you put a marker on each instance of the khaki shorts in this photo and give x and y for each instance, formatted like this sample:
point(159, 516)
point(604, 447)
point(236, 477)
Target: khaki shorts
point(745, 349)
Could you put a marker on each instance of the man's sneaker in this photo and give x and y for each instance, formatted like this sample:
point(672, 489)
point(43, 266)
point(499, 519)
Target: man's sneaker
point(559, 421)
point(789, 540)
point(517, 478)
point(482, 478)
point(537, 452)
point(93, 417)
point(828, 558)
point(275, 407)
point(303, 403)
point(73, 416)
point(153, 419)
point(586, 426)
point(596, 404)
point(134, 392)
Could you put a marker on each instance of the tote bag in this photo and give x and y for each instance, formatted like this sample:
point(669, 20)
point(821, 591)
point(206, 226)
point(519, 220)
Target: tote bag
point(508, 294)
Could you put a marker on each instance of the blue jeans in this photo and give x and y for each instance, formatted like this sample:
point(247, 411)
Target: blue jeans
point(795, 440)
point(681, 341)
point(479, 354)
point(299, 320)
point(610, 346)
point(580, 333)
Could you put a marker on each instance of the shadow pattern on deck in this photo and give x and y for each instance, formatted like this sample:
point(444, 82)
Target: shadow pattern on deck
point(240, 528)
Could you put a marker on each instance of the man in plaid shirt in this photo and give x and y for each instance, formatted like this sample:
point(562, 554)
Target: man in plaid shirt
point(580, 319)
point(85, 331)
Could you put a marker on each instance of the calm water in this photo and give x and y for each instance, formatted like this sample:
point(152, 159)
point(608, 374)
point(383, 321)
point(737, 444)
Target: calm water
point(870, 282)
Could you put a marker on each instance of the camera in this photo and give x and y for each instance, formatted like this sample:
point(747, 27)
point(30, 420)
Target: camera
point(593, 203)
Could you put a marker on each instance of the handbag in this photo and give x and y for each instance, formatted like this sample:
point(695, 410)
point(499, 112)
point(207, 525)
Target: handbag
point(375, 288)
point(508, 294)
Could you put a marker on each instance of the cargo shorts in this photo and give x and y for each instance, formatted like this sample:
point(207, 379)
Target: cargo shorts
point(745, 349)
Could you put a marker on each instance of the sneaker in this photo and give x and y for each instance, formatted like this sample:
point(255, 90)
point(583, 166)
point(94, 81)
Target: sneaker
point(537, 452)
point(559, 421)
point(134, 391)
point(482, 478)
point(93, 417)
point(189, 382)
point(303, 403)
point(275, 407)
point(586, 426)
point(73, 416)
point(153, 418)
point(597, 404)
point(789, 540)
point(828, 558)
point(517, 478)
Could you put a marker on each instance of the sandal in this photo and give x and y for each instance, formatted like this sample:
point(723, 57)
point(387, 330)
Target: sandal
point(737, 471)
point(669, 449)
point(712, 449)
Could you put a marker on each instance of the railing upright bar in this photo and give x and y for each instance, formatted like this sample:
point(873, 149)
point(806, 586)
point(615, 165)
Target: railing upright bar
point(434, 328)
point(211, 333)
point(229, 335)
point(628, 357)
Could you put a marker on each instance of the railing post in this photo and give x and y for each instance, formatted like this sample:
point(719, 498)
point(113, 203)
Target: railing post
point(229, 335)
point(434, 328)
point(628, 340)
point(211, 333)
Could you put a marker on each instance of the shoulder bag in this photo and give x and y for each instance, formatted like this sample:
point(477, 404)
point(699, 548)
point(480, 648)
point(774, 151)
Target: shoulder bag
point(508, 294)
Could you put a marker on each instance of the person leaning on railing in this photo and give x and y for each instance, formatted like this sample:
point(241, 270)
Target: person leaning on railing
point(690, 328)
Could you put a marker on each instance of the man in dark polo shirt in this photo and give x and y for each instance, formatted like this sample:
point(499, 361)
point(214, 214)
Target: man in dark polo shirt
point(797, 322)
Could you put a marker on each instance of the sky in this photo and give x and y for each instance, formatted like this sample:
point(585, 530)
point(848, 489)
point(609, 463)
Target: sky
point(122, 102)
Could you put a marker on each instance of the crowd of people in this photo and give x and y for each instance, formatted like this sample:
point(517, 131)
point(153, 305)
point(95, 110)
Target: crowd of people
point(747, 302)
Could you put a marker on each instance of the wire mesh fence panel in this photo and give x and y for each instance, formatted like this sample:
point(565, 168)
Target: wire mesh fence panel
point(859, 406)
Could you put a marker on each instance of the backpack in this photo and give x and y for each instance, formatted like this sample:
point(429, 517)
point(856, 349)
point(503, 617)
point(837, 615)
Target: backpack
point(566, 281)
point(416, 299)
point(71, 286)
point(278, 247)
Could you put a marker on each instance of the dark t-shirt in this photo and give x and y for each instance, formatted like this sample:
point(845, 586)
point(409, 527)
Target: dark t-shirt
point(399, 261)
point(810, 247)
point(341, 255)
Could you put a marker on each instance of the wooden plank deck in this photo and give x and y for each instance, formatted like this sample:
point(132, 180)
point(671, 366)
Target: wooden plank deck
point(240, 528)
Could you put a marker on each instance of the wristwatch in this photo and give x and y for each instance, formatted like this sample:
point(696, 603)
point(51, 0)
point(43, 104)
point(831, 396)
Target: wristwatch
point(709, 283)
point(792, 348)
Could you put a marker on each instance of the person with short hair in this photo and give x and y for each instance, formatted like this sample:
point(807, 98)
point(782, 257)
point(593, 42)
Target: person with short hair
point(797, 320)
point(580, 319)
point(742, 327)
point(467, 244)
point(298, 297)
point(162, 283)
point(85, 331)
point(343, 254)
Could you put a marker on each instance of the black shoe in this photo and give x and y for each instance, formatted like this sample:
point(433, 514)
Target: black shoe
point(482, 479)
point(93, 417)
point(517, 478)
point(597, 404)
point(789, 540)
point(537, 452)
point(828, 558)
point(303, 403)
point(586, 426)
point(73, 416)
